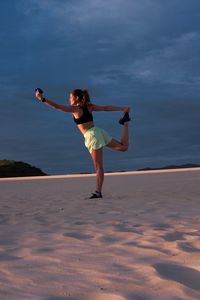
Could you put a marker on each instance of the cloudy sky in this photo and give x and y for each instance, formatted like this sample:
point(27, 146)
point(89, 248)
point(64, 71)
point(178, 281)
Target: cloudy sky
point(142, 53)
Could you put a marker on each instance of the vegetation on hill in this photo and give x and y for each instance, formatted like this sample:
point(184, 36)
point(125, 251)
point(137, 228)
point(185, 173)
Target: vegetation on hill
point(11, 168)
point(172, 167)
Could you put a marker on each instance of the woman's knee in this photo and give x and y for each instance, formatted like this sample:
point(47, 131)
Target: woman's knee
point(117, 146)
point(99, 168)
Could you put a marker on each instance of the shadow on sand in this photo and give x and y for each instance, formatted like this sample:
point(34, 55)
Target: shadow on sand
point(184, 275)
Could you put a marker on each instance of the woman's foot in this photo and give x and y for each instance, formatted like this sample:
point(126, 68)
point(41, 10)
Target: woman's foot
point(96, 195)
point(125, 118)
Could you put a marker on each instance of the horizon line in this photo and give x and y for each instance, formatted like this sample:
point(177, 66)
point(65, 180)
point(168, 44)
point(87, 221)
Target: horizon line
point(46, 177)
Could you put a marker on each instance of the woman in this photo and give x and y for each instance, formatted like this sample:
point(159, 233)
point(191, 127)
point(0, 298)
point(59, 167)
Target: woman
point(95, 138)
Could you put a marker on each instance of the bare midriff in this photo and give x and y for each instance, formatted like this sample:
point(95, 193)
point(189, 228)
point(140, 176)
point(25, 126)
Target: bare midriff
point(85, 127)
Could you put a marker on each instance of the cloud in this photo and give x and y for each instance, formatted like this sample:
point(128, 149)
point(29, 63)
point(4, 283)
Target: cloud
point(131, 18)
point(175, 63)
point(106, 43)
point(169, 65)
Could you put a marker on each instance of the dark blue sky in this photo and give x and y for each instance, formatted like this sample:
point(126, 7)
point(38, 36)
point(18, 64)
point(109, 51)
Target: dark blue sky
point(142, 53)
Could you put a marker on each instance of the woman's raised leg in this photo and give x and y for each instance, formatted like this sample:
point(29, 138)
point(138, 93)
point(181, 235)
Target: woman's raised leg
point(123, 144)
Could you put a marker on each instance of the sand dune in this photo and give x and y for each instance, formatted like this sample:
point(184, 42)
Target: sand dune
point(141, 241)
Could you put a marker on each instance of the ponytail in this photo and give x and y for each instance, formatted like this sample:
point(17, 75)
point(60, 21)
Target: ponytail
point(86, 98)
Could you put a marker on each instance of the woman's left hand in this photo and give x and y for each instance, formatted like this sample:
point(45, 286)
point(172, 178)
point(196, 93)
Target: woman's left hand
point(127, 109)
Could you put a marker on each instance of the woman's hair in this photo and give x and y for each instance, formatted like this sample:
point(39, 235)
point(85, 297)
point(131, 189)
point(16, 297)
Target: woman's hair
point(83, 97)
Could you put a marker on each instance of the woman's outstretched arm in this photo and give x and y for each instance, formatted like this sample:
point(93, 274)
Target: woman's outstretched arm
point(55, 105)
point(109, 108)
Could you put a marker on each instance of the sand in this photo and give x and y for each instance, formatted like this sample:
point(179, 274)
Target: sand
point(141, 241)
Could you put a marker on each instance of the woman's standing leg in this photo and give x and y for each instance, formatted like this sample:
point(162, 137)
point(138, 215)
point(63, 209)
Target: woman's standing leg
point(97, 157)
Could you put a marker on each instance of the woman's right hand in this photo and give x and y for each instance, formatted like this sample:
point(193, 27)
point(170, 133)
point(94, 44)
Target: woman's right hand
point(38, 95)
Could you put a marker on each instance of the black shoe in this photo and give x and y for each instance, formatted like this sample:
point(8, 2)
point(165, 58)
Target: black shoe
point(96, 195)
point(125, 118)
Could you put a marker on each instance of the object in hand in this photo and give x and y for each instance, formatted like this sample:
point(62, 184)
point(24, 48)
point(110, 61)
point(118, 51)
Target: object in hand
point(39, 90)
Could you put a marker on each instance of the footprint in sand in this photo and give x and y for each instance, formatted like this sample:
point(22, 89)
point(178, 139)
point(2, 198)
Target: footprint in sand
point(126, 228)
point(8, 241)
point(81, 223)
point(174, 236)
point(172, 216)
point(161, 226)
point(41, 220)
point(132, 243)
point(195, 233)
point(4, 256)
point(187, 247)
point(42, 250)
point(107, 239)
point(78, 235)
point(149, 247)
point(137, 225)
point(121, 268)
point(3, 219)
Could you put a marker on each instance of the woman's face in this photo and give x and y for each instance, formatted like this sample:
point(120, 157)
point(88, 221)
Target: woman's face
point(72, 100)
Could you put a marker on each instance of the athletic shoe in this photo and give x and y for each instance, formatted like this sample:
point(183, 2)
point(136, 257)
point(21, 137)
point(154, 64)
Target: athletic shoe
point(96, 195)
point(125, 118)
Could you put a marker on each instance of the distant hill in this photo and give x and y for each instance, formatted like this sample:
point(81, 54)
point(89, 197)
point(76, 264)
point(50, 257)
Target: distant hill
point(172, 167)
point(11, 168)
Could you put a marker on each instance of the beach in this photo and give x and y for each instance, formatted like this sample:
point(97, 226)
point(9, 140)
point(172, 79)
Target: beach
point(141, 241)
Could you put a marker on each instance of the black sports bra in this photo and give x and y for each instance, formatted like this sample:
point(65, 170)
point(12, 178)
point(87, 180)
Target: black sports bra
point(86, 117)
